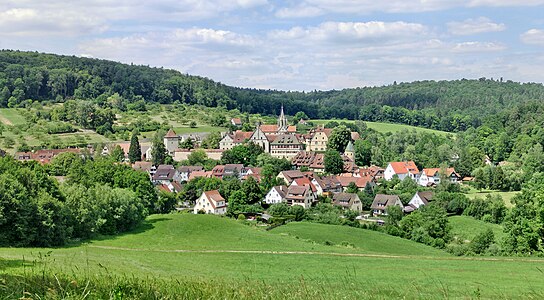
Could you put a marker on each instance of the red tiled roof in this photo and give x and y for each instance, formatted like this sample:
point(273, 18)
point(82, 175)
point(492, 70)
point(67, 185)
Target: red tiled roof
point(304, 181)
point(403, 167)
point(215, 197)
point(171, 134)
point(269, 128)
point(431, 172)
point(355, 136)
point(164, 187)
point(240, 136)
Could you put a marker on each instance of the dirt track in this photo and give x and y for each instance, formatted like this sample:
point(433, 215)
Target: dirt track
point(321, 253)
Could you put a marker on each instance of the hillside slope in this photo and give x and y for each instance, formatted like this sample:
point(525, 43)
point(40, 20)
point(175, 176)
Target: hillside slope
point(445, 105)
point(197, 248)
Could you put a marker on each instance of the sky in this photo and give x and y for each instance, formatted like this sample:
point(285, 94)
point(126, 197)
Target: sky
point(292, 45)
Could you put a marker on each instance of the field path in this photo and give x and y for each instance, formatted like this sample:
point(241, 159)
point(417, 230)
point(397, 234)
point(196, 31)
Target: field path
point(319, 253)
point(5, 120)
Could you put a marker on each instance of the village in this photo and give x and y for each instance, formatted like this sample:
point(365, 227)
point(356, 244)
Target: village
point(304, 184)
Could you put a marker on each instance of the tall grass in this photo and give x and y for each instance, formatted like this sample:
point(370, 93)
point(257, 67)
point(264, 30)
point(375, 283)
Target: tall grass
point(38, 281)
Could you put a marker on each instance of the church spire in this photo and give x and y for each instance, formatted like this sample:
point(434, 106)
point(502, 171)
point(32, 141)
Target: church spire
point(282, 122)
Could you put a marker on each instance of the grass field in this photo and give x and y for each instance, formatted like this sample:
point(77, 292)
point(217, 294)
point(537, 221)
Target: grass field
point(218, 253)
point(388, 127)
point(466, 228)
point(365, 241)
point(506, 196)
point(11, 116)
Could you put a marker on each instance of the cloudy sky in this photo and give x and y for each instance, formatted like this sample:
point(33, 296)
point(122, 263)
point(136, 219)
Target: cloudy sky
point(292, 45)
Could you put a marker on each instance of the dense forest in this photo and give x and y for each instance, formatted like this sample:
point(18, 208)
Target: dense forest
point(445, 105)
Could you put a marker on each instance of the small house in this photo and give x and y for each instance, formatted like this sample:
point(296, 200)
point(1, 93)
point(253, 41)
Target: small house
point(382, 202)
point(211, 202)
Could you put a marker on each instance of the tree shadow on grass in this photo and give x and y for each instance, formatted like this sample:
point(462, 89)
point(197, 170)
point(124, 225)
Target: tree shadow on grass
point(6, 264)
point(145, 226)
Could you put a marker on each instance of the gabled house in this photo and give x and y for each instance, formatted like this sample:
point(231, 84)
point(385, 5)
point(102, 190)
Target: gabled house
point(402, 169)
point(289, 176)
point(347, 201)
point(144, 166)
point(300, 195)
point(429, 177)
point(260, 139)
point(360, 182)
point(316, 161)
point(305, 181)
point(234, 139)
point(286, 146)
point(276, 195)
point(382, 202)
point(197, 174)
point(185, 172)
point(327, 185)
point(211, 202)
point(419, 199)
point(165, 174)
point(319, 139)
point(372, 171)
point(236, 122)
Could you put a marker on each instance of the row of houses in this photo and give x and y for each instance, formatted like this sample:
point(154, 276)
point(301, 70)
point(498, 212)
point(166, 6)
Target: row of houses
point(382, 202)
point(425, 177)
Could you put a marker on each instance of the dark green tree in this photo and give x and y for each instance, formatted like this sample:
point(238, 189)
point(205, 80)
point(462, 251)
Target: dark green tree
point(134, 152)
point(158, 151)
point(117, 154)
point(333, 162)
point(339, 139)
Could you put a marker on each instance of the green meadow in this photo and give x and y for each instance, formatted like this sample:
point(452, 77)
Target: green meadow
point(386, 127)
point(183, 256)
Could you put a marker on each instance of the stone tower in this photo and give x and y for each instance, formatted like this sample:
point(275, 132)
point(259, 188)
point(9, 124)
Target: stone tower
point(350, 151)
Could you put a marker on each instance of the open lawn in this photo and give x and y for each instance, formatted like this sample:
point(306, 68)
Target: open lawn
point(234, 261)
point(506, 196)
point(466, 228)
point(388, 127)
point(11, 116)
point(364, 241)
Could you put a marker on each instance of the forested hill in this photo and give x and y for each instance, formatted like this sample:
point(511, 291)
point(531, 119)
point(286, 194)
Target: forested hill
point(445, 105)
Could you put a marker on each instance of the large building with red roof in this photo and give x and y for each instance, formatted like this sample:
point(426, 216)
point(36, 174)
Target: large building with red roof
point(402, 169)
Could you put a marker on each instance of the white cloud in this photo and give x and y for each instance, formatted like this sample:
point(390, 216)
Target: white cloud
point(505, 2)
point(474, 26)
point(478, 47)
point(404, 6)
point(352, 32)
point(533, 37)
point(25, 21)
point(303, 11)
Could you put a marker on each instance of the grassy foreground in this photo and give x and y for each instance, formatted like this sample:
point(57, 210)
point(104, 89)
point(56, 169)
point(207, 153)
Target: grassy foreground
point(207, 257)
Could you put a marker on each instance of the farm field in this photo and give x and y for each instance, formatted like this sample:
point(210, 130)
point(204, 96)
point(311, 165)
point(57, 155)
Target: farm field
point(466, 228)
point(387, 127)
point(199, 249)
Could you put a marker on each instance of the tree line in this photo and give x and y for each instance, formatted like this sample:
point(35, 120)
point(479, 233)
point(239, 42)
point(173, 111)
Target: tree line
point(98, 196)
point(444, 105)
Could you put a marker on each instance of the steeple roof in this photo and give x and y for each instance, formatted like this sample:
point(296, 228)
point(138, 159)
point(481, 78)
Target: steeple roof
point(171, 134)
point(349, 147)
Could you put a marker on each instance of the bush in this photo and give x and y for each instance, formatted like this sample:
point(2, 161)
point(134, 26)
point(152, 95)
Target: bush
point(482, 241)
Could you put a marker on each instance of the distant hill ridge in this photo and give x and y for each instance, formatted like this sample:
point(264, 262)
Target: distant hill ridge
point(432, 104)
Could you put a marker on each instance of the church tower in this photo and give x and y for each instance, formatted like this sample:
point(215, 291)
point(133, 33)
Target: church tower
point(282, 122)
point(350, 151)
